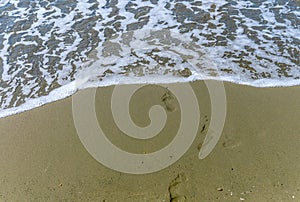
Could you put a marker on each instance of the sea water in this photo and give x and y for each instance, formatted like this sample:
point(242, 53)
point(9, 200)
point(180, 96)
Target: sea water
point(50, 49)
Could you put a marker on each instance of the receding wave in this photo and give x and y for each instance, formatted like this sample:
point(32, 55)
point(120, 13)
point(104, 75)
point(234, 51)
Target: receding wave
point(50, 49)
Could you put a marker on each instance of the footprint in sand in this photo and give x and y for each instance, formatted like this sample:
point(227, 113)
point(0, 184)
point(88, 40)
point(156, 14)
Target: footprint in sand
point(169, 101)
point(177, 188)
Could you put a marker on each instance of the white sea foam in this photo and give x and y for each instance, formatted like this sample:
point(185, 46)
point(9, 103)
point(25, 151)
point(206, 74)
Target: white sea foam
point(48, 50)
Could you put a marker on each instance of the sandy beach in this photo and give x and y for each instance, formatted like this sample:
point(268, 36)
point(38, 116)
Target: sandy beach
point(256, 159)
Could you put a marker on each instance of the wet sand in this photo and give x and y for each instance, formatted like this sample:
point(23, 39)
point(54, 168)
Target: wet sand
point(256, 159)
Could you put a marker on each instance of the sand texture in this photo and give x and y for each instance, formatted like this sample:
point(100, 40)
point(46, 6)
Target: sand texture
point(256, 159)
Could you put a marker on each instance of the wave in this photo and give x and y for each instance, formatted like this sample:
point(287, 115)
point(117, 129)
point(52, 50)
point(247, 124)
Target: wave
point(49, 50)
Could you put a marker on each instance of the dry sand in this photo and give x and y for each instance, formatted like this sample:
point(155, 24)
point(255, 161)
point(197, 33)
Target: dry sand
point(256, 159)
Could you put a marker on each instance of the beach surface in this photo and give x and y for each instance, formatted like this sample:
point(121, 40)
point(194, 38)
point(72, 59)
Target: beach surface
point(256, 159)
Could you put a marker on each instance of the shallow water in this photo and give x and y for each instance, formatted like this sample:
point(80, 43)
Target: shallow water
point(49, 49)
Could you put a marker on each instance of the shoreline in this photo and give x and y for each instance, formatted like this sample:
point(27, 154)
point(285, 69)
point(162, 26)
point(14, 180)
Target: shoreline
point(38, 102)
point(256, 158)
